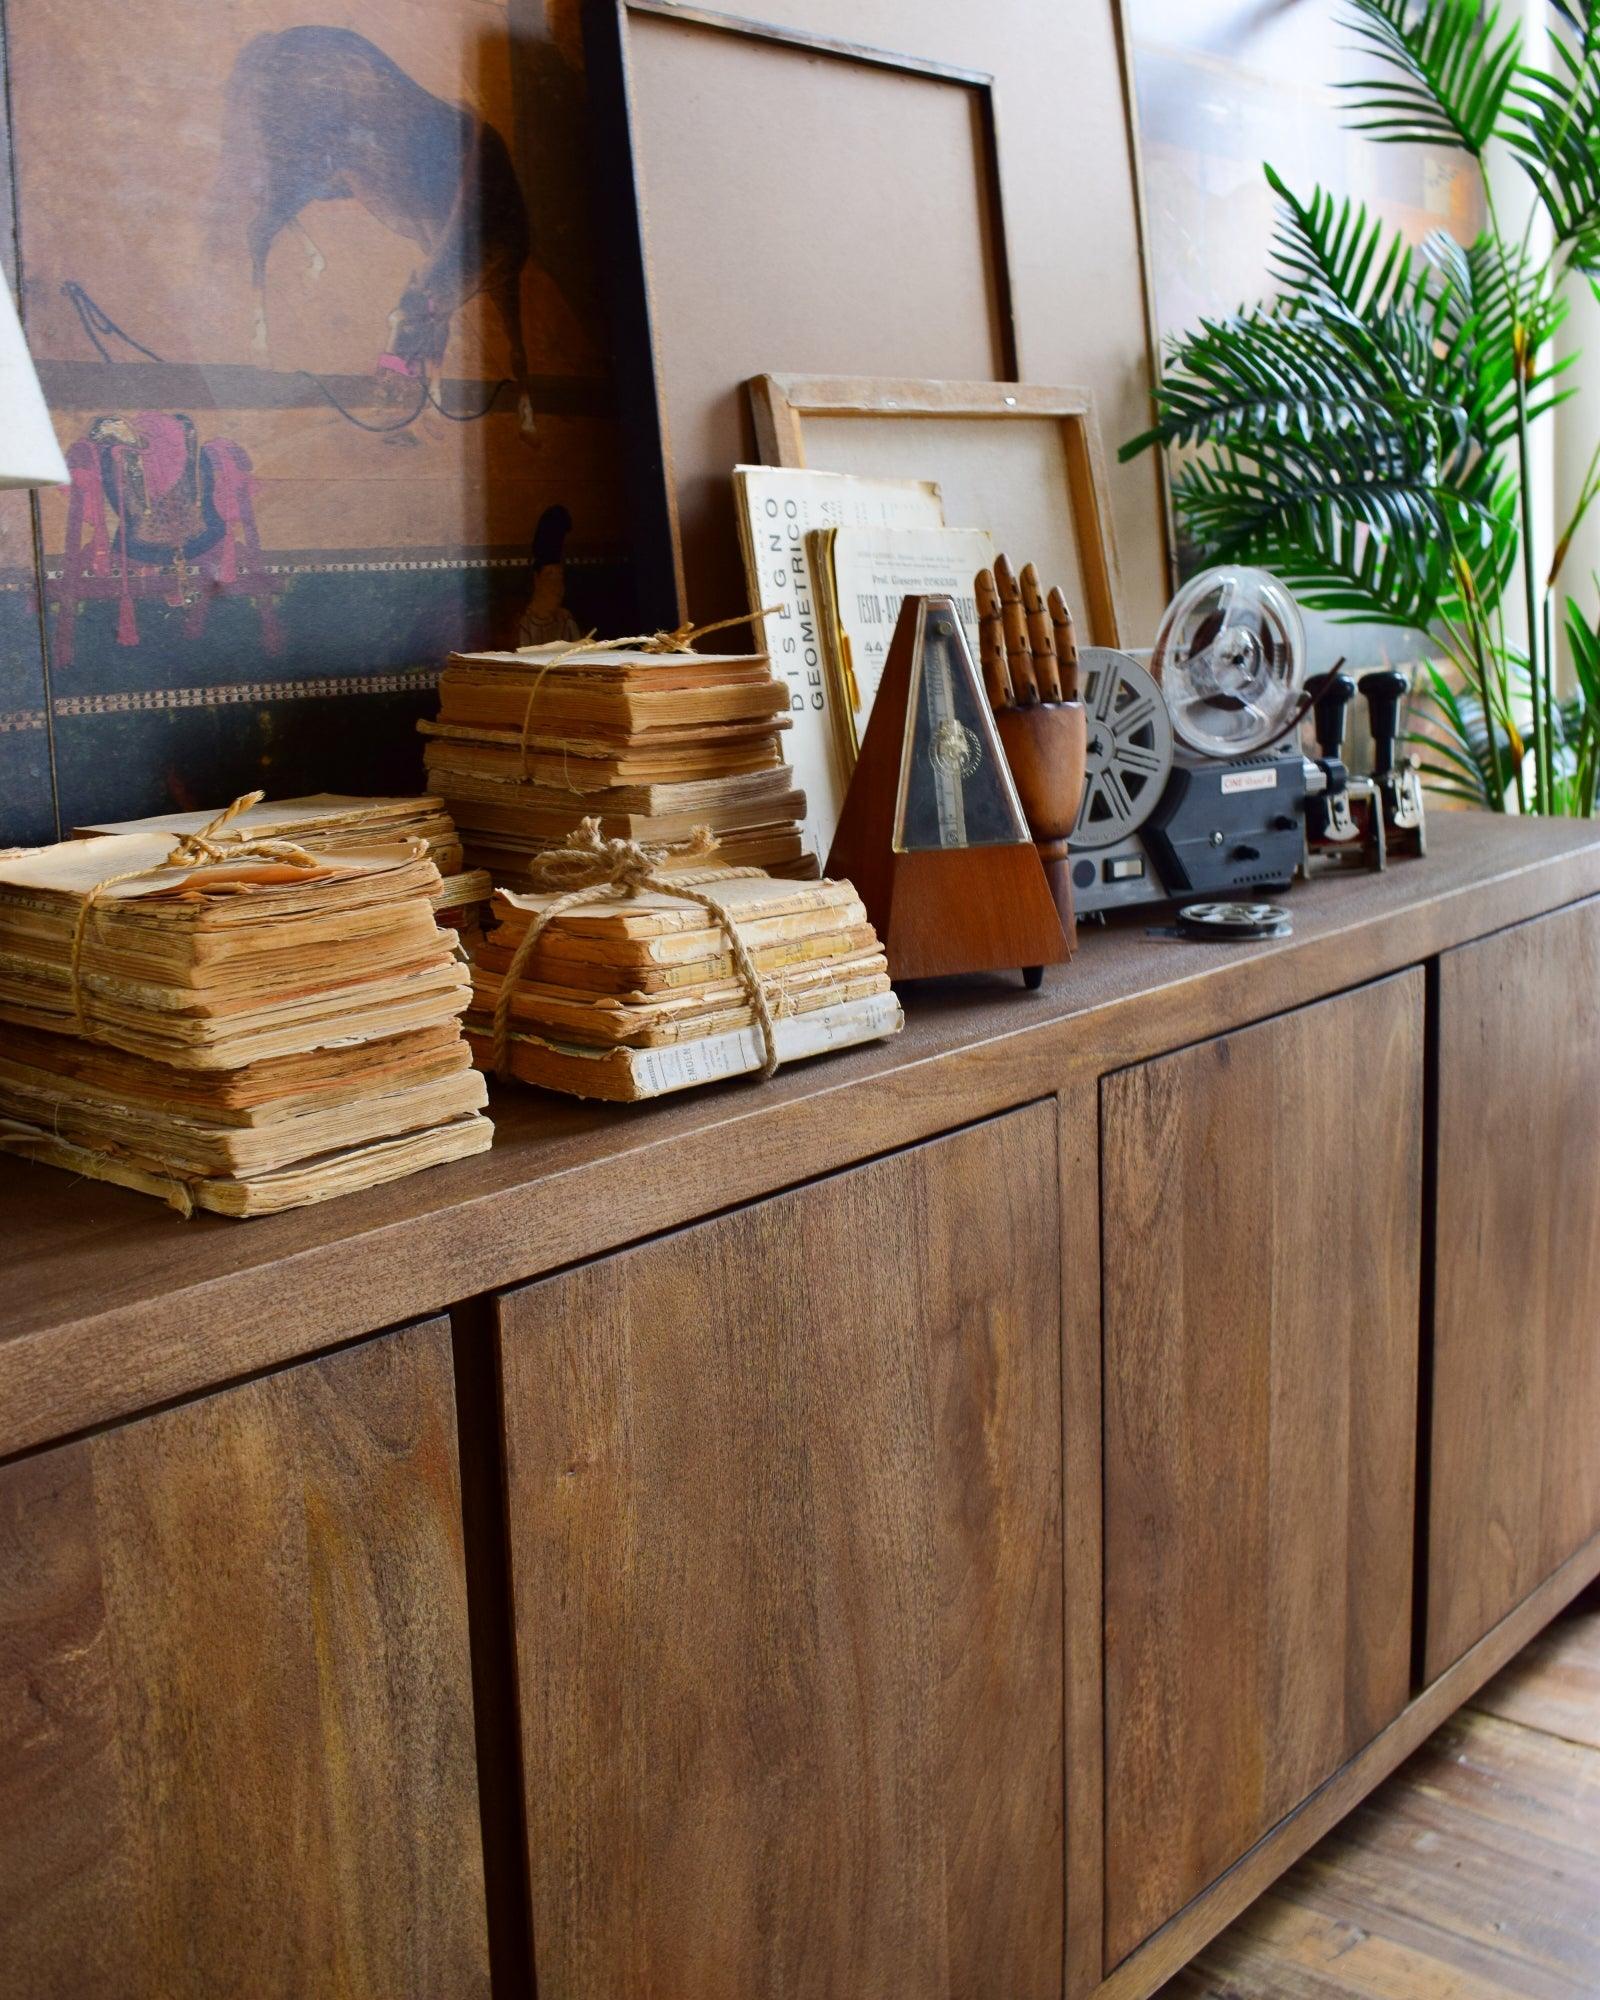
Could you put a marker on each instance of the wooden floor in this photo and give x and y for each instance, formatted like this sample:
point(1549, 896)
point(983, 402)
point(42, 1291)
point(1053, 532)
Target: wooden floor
point(1473, 1874)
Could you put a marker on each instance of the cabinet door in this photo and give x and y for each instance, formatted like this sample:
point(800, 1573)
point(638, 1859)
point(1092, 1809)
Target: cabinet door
point(1514, 1484)
point(784, 1497)
point(236, 1736)
point(1261, 1215)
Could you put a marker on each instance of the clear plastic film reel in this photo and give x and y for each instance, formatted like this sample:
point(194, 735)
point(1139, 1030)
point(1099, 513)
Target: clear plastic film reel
point(1231, 659)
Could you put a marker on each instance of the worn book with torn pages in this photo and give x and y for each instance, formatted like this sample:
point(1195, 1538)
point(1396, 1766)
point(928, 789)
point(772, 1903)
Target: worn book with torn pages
point(629, 997)
point(335, 820)
point(527, 744)
point(627, 1075)
point(235, 1022)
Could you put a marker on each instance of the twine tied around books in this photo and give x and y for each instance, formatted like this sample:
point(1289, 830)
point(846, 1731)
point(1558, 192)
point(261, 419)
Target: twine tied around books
point(212, 843)
point(679, 640)
point(589, 866)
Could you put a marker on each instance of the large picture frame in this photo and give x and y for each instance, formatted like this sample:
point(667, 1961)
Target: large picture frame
point(684, 432)
point(1040, 499)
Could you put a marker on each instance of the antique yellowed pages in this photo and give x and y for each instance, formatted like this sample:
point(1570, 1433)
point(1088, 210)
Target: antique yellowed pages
point(776, 509)
point(863, 576)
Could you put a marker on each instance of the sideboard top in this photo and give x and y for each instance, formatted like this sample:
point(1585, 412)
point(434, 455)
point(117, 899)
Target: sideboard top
point(113, 1304)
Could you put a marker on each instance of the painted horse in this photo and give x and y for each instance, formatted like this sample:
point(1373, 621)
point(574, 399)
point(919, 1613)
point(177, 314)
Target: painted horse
point(322, 114)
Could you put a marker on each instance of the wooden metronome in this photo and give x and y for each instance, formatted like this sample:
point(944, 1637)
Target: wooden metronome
point(932, 833)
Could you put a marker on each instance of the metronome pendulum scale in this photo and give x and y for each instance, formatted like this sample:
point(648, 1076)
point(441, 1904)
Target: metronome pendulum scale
point(932, 832)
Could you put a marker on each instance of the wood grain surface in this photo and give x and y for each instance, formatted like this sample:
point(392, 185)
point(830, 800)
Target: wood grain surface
point(236, 1751)
point(1473, 1874)
point(1553, 1685)
point(1515, 1483)
point(784, 1495)
point(107, 1288)
point(1177, 1942)
point(1261, 1215)
point(1078, 1122)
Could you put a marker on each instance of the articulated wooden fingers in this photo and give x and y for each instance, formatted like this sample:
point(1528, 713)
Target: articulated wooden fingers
point(1041, 636)
point(1019, 654)
point(992, 642)
point(1066, 644)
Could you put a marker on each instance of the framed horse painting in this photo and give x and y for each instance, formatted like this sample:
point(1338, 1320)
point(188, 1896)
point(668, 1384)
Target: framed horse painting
point(312, 296)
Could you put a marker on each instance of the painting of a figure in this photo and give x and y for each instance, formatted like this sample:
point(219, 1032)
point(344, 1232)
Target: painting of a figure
point(317, 327)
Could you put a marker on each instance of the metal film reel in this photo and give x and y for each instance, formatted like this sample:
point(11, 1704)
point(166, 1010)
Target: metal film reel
point(1231, 654)
point(1234, 920)
point(1130, 747)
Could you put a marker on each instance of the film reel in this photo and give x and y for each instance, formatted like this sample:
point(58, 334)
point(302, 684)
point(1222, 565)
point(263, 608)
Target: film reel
point(1241, 921)
point(1130, 747)
point(1231, 659)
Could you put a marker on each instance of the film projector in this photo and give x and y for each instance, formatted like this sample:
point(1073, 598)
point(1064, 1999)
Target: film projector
point(1195, 783)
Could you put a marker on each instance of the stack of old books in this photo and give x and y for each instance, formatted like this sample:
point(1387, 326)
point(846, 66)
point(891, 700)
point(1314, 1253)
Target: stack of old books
point(528, 744)
point(241, 1031)
point(631, 998)
point(332, 822)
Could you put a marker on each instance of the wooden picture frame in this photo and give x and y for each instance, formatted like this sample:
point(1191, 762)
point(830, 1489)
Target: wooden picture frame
point(675, 515)
point(782, 405)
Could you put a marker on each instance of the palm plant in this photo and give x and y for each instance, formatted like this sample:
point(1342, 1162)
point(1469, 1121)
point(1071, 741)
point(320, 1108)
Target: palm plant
point(1366, 434)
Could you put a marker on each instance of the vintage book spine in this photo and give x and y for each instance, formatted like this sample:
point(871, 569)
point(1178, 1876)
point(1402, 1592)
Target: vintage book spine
point(285, 1187)
point(591, 973)
point(190, 1144)
point(475, 698)
point(773, 789)
point(574, 767)
point(628, 1075)
point(615, 663)
point(681, 1019)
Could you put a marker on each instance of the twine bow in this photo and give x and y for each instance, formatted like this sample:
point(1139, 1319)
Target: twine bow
point(589, 867)
point(679, 640)
point(191, 850)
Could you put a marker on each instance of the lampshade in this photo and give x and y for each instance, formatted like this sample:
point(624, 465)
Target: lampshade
point(29, 454)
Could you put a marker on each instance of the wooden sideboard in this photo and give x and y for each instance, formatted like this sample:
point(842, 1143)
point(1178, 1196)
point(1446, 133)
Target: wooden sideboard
point(957, 1520)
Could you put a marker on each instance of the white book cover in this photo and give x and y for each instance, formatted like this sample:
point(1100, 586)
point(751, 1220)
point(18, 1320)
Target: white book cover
point(777, 508)
point(738, 1051)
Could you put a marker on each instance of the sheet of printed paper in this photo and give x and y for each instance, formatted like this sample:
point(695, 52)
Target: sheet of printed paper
point(777, 508)
point(875, 570)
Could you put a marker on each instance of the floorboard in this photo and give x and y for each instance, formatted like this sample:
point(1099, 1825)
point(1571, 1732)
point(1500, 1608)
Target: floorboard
point(1472, 1874)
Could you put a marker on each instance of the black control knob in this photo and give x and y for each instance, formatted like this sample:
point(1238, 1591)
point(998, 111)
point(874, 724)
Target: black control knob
point(1333, 694)
point(1384, 691)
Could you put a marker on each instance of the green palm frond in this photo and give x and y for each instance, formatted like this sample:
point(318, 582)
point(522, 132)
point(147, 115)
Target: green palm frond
point(1366, 434)
point(1492, 312)
point(1447, 67)
point(1328, 249)
point(1332, 436)
point(1584, 640)
point(1461, 752)
point(1580, 716)
point(1497, 296)
point(1373, 552)
point(1553, 123)
point(1266, 375)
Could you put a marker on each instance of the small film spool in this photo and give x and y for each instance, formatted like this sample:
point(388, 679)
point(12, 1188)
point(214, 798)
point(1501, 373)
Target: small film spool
point(1241, 921)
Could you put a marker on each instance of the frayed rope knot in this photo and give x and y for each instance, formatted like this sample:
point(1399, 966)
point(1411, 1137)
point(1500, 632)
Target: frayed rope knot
point(211, 844)
point(590, 867)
